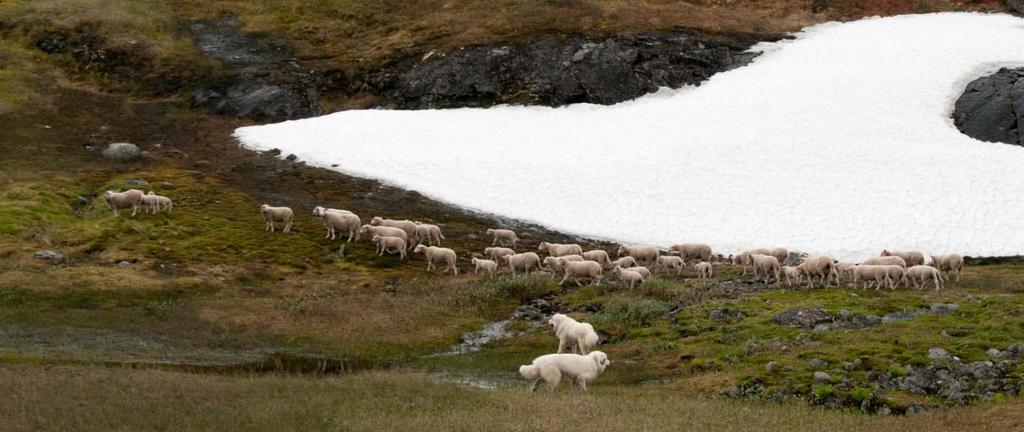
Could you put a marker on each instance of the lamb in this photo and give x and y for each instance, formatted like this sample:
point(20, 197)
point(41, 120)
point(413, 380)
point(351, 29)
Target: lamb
point(555, 263)
point(405, 225)
point(952, 263)
point(766, 264)
point(781, 254)
point(790, 273)
point(912, 258)
point(642, 254)
point(845, 270)
point(887, 260)
point(705, 270)
point(339, 220)
point(504, 235)
point(600, 256)
point(743, 258)
point(435, 254)
point(498, 253)
point(560, 250)
point(642, 270)
point(628, 277)
point(486, 265)
point(573, 334)
point(122, 200)
point(920, 274)
point(523, 261)
point(820, 266)
point(390, 245)
point(693, 251)
point(668, 263)
point(624, 262)
point(428, 232)
point(157, 203)
point(576, 269)
point(277, 214)
point(385, 231)
point(870, 273)
point(895, 274)
point(579, 369)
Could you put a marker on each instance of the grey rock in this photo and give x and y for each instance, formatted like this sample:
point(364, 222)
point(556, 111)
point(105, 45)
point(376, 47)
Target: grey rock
point(136, 182)
point(944, 308)
point(938, 355)
point(994, 353)
point(726, 314)
point(897, 317)
point(772, 366)
point(122, 152)
point(49, 255)
point(1015, 350)
point(992, 107)
point(818, 363)
point(822, 377)
point(124, 264)
point(803, 318)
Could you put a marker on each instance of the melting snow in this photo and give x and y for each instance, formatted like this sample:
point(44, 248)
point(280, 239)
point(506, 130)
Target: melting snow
point(837, 142)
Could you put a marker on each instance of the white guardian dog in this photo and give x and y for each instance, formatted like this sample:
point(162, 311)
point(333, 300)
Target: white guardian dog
point(580, 369)
point(572, 333)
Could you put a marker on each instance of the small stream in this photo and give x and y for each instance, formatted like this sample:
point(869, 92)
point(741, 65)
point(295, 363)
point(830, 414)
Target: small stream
point(534, 312)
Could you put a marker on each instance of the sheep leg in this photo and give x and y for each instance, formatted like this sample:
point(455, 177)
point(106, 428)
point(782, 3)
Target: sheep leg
point(287, 227)
point(564, 278)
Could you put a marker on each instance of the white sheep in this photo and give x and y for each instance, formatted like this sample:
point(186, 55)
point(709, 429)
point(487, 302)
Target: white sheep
point(560, 250)
point(384, 231)
point(628, 277)
point(503, 235)
point(122, 200)
point(157, 203)
point(895, 274)
point(487, 266)
point(693, 251)
point(640, 269)
point(791, 273)
point(870, 273)
point(390, 245)
point(573, 334)
point(952, 263)
point(743, 258)
point(669, 263)
point(578, 368)
point(577, 269)
point(277, 214)
point(912, 258)
point(405, 225)
point(339, 220)
point(642, 253)
point(320, 210)
point(554, 264)
point(523, 261)
point(435, 254)
point(919, 275)
point(498, 253)
point(598, 255)
point(781, 254)
point(845, 270)
point(428, 232)
point(705, 270)
point(822, 267)
point(624, 262)
point(886, 260)
point(766, 264)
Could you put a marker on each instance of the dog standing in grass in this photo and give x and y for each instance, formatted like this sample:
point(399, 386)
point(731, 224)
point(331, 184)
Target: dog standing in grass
point(580, 369)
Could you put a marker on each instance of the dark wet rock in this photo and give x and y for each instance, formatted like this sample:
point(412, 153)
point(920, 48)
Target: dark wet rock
point(726, 314)
point(803, 318)
point(122, 152)
point(558, 70)
point(992, 107)
point(51, 256)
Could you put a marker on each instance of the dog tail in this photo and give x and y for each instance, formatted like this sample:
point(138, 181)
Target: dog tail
point(589, 341)
point(529, 372)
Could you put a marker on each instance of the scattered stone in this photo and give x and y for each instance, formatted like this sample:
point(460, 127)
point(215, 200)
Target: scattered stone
point(124, 264)
point(122, 152)
point(818, 364)
point(938, 355)
point(822, 377)
point(944, 308)
point(137, 183)
point(49, 255)
point(993, 353)
point(772, 366)
point(803, 318)
point(726, 314)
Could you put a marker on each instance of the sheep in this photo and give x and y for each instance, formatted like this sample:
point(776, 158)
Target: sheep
point(912, 258)
point(628, 277)
point(600, 256)
point(766, 264)
point(435, 254)
point(920, 274)
point(559, 250)
point(705, 270)
point(870, 273)
point(319, 211)
point(385, 231)
point(624, 262)
point(642, 254)
point(277, 214)
point(575, 269)
point(790, 273)
point(579, 369)
point(555, 263)
point(497, 253)
point(886, 260)
point(845, 270)
point(642, 270)
point(781, 254)
point(573, 334)
point(523, 261)
point(820, 266)
point(693, 251)
point(743, 258)
point(157, 203)
point(335, 220)
point(895, 274)
point(405, 225)
point(486, 265)
point(504, 235)
point(428, 232)
point(390, 245)
point(668, 263)
point(122, 200)
point(952, 263)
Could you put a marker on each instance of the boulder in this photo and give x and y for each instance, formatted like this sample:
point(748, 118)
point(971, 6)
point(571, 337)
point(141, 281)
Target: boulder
point(992, 107)
point(939, 355)
point(822, 377)
point(122, 152)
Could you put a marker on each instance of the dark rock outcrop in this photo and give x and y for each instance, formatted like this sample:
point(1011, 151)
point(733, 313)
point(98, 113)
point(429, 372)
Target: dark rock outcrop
point(803, 318)
point(992, 108)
